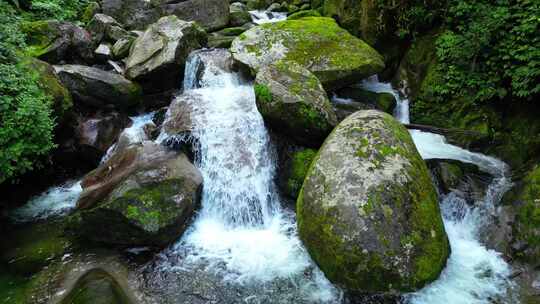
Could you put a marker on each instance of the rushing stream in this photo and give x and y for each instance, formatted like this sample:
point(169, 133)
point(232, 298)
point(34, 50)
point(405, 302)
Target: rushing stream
point(244, 240)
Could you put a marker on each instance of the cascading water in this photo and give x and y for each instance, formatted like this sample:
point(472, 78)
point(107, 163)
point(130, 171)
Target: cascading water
point(242, 233)
point(261, 17)
point(474, 274)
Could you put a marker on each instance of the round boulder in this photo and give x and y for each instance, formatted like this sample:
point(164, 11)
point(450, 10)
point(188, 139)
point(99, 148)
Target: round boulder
point(368, 211)
point(292, 101)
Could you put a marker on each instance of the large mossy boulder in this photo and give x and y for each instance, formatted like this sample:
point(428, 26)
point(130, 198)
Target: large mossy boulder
point(54, 41)
point(157, 58)
point(333, 55)
point(525, 198)
point(292, 101)
point(144, 195)
point(138, 14)
point(368, 211)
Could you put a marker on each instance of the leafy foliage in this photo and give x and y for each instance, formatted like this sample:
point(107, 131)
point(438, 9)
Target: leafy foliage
point(26, 125)
point(58, 9)
point(410, 16)
point(490, 49)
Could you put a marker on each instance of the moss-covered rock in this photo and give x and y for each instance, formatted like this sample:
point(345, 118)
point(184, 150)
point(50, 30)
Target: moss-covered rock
point(385, 102)
point(28, 248)
point(55, 41)
point(368, 211)
point(526, 227)
point(49, 82)
point(297, 170)
point(239, 14)
point(302, 14)
point(293, 101)
point(333, 55)
point(143, 195)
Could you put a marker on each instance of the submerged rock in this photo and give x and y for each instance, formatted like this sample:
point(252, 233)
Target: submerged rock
point(143, 195)
point(138, 14)
point(332, 54)
point(54, 41)
point(368, 211)
point(157, 58)
point(293, 101)
point(96, 88)
point(96, 286)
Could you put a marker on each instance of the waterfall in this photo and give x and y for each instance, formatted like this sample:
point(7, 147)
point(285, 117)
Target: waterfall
point(241, 232)
point(401, 111)
point(474, 274)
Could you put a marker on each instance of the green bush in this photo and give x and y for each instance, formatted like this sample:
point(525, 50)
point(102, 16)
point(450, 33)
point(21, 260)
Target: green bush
point(26, 124)
point(491, 49)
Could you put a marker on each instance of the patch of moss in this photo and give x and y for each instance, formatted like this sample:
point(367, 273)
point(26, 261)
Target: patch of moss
point(301, 160)
point(527, 224)
point(302, 14)
point(262, 93)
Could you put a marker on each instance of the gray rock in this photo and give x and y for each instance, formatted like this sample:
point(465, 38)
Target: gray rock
point(239, 14)
point(144, 195)
point(368, 212)
point(292, 101)
point(157, 58)
point(120, 49)
point(138, 14)
point(96, 88)
point(100, 25)
point(103, 52)
point(97, 133)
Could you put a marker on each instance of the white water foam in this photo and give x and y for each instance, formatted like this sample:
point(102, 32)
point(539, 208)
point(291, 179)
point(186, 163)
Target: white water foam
point(241, 231)
point(474, 274)
point(56, 201)
point(261, 17)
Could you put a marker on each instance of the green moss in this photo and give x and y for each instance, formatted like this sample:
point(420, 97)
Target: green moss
point(302, 14)
point(320, 41)
point(301, 160)
point(527, 224)
point(262, 93)
point(40, 36)
point(91, 9)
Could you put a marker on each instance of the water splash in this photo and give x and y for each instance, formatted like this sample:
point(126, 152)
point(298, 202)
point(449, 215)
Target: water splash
point(261, 17)
point(56, 201)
